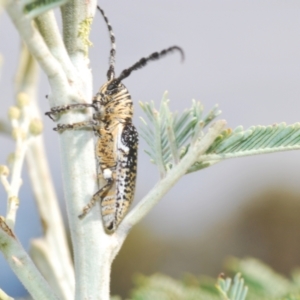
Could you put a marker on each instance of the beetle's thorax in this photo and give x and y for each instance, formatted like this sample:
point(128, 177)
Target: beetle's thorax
point(114, 105)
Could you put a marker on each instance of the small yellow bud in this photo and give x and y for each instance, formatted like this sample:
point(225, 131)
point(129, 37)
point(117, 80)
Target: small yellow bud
point(36, 127)
point(4, 170)
point(22, 100)
point(18, 133)
point(14, 112)
point(11, 158)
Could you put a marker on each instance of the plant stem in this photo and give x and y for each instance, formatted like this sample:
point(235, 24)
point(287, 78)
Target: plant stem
point(56, 264)
point(23, 266)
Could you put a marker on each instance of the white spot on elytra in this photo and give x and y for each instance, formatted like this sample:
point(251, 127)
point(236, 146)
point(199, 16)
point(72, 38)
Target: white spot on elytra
point(107, 174)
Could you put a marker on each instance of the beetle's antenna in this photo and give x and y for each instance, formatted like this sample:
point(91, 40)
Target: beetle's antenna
point(111, 70)
point(143, 61)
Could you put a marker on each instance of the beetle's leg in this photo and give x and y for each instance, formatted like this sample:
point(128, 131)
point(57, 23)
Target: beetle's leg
point(97, 197)
point(74, 126)
point(63, 108)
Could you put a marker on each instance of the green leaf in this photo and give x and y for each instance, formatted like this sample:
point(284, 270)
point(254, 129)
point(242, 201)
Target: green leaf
point(169, 135)
point(34, 8)
point(255, 140)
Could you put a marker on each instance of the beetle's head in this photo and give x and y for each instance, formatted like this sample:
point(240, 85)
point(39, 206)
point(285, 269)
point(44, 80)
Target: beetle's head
point(110, 90)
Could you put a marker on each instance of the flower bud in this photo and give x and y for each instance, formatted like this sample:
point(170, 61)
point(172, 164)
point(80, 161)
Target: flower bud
point(22, 100)
point(35, 127)
point(14, 113)
point(4, 170)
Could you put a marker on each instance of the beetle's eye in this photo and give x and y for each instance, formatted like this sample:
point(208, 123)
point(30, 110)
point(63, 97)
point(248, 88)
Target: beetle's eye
point(113, 85)
point(110, 87)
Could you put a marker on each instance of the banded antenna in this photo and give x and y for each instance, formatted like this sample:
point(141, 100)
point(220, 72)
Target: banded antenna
point(112, 60)
point(143, 61)
point(138, 65)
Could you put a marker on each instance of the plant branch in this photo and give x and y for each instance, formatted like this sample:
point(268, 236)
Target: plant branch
point(48, 28)
point(57, 264)
point(22, 265)
point(20, 125)
point(91, 245)
point(219, 157)
point(77, 16)
point(34, 41)
point(40, 51)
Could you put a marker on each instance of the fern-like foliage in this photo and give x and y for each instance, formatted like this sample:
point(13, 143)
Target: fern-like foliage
point(263, 282)
point(253, 281)
point(169, 136)
point(232, 290)
point(256, 140)
point(162, 287)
